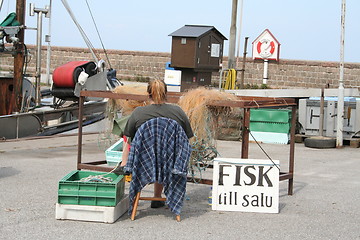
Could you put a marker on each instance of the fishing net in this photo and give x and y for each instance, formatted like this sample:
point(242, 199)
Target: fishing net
point(204, 122)
point(117, 108)
point(127, 106)
point(203, 119)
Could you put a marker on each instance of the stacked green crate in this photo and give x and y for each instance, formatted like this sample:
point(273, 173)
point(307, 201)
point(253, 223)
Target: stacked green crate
point(73, 191)
point(270, 125)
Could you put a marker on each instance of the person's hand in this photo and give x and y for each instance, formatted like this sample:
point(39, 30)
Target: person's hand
point(119, 170)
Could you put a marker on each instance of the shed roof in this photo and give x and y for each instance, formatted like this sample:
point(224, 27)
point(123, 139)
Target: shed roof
point(194, 31)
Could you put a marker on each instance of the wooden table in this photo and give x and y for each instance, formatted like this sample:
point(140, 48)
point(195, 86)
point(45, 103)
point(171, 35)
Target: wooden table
point(246, 103)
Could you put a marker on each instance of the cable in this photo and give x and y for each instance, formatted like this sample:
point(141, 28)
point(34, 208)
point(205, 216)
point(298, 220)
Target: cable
point(262, 149)
point(102, 44)
point(230, 80)
point(26, 60)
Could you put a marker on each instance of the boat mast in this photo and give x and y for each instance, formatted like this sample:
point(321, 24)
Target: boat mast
point(16, 96)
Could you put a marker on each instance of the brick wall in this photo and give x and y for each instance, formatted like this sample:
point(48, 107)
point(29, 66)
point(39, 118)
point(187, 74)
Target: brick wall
point(132, 65)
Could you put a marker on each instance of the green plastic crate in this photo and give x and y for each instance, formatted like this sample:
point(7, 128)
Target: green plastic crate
point(270, 115)
point(71, 191)
point(270, 120)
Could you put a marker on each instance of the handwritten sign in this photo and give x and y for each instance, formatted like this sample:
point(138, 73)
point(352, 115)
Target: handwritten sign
point(247, 185)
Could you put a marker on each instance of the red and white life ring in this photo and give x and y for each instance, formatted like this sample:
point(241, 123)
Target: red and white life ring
point(272, 46)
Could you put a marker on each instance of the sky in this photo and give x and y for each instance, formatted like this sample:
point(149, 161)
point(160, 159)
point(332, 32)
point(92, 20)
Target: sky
point(306, 29)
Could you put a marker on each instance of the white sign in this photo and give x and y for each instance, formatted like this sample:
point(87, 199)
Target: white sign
point(172, 79)
point(266, 46)
point(247, 185)
point(215, 50)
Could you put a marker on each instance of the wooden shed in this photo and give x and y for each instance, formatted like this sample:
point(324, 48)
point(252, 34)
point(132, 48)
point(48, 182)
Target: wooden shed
point(197, 47)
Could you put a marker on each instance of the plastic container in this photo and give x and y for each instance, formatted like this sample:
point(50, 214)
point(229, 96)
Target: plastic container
point(270, 115)
point(92, 213)
point(270, 127)
point(72, 191)
point(114, 153)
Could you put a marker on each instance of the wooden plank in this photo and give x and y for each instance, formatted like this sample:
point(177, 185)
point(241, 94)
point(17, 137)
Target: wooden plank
point(109, 94)
point(245, 134)
point(285, 176)
point(172, 98)
point(97, 162)
point(253, 103)
point(152, 198)
point(94, 167)
point(244, 102)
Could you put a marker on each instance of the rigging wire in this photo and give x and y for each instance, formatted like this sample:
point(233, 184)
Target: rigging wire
point(82, 32)
point(97, 30)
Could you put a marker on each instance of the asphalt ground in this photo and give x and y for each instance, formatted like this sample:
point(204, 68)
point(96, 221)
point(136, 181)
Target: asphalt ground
point(325, 203)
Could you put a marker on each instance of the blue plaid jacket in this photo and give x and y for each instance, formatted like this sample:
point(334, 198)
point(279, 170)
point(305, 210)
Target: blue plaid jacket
point(160, 152)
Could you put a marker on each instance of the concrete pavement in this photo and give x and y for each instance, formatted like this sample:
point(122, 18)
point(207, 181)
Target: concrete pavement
point(325, 204)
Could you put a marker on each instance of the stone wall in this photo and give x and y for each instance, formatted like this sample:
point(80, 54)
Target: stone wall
point(133, 65)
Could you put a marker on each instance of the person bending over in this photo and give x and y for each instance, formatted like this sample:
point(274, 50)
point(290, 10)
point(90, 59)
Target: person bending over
point(158, 108)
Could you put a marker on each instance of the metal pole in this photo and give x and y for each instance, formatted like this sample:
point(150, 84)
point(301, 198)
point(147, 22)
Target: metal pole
point(321, 119)
point(266, 66)
point(39, 12)
point(243, 64)
point(340, 105)
point(239, 32)
point(38, 58)
point(232, 40)
point(48, 40)
point(80, 125)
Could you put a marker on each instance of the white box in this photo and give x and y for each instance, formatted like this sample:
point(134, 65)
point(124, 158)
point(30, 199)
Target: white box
point(92, 213)
point(173, 80)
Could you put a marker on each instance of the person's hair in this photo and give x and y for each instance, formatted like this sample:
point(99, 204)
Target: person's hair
point(157, 90)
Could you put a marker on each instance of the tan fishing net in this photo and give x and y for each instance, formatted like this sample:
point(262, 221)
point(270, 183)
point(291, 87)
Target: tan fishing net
point(203, 119)
point(127, 106)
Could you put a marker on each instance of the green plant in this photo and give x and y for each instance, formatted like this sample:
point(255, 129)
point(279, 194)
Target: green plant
point(264, 86)
point(255, 86)
point(140, 78)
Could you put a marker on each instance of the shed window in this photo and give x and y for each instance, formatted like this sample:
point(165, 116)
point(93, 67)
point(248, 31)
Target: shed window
point(183, 40)
point(215, 50)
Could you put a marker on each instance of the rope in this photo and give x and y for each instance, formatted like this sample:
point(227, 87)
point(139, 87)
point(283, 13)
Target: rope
point(102, 44)
point(100, 177)
point(263, 149)
point(230, 82)
point(97, 178)
point(254, 101)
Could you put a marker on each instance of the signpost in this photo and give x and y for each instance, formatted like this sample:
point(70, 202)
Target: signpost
point(340, 107)
point(266, 47)
point(247, 185)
